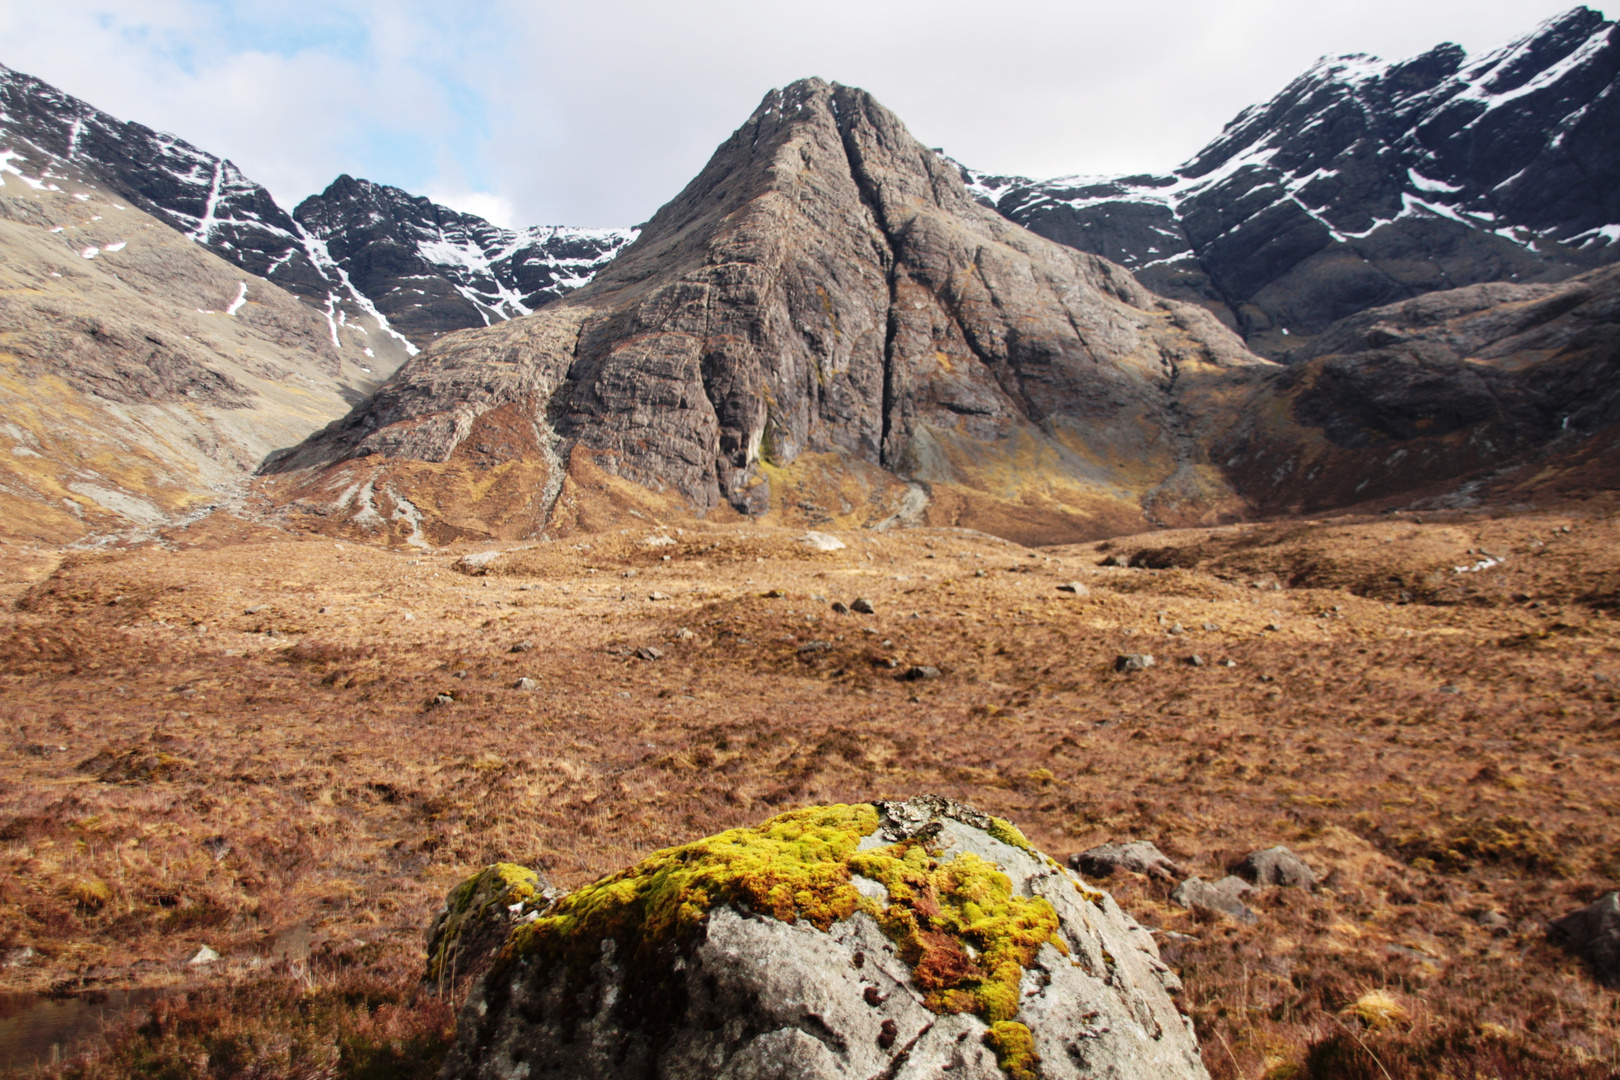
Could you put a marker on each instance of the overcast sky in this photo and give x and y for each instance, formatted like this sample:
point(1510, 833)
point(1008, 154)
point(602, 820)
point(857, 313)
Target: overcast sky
point(595, 112)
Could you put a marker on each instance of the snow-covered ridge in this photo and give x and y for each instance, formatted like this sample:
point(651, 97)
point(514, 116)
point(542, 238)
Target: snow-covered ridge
point(404, 250)
point(46, 134)
point(1516, 146)
point(1406, 130)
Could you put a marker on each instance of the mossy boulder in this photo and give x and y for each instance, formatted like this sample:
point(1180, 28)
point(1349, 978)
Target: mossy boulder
point(898, 939)
point(477, 918)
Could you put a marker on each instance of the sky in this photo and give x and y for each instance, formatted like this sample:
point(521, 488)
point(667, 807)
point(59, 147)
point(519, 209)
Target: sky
point(596, 113)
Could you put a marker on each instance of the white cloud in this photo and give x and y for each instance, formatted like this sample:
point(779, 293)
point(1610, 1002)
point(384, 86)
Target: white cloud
point(491, 207)
point(544, 111)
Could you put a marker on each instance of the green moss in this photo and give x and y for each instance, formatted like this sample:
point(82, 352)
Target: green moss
point(967, 937)
point(1014, 1046)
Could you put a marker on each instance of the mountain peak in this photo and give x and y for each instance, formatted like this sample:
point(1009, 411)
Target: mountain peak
point(823, 296)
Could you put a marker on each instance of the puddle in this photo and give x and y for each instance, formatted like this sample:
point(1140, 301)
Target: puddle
point(36, 1030)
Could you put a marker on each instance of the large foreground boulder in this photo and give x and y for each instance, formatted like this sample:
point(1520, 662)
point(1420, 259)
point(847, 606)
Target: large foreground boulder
point(907, 940)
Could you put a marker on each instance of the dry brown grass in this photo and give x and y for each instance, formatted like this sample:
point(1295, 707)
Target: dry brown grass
point(281, 786)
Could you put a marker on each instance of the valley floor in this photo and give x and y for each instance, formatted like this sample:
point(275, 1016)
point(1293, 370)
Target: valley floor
point(288, 749)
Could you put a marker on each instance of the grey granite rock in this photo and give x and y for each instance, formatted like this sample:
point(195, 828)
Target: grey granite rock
point(754, 997)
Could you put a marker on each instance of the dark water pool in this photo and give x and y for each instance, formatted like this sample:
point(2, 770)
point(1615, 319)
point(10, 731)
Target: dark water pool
point(37, 1030)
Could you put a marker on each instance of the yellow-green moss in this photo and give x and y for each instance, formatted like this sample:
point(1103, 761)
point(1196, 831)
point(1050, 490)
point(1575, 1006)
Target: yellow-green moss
point(967, 937)
point(1008, 834)
point(1014, 1046)
point(791, 867)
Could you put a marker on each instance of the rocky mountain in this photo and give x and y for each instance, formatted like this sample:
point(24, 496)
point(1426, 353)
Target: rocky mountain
point(823, 309)
point(369, 256)
point(1364, 183)
point(430, 269)
point(142, 377)
point(826, 327)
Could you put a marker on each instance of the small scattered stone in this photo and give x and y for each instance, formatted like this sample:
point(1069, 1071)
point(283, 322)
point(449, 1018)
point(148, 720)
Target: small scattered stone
point(1210, 628)
point(1449, 689)
point(918, 672)
point(205, 955)
point(629, 573)
point(254, 610)
point(862, 605)
point(658, 596)
point(1228, 663)
point(523, 646)
point(840, 608)
point(820, 541)
point(1273, 627)
point(980, 573)
point(1492, 920)
point(526, 683)
point(1195, 660)
point(815, 647)
point(683, 634)
point(1222, 897)
point(1176, 630)
point(1133, 661)
point(443, 699)
point(1277, 866)
point(775, 594)
point(1593, 934)
point(649, 652)
point(217, 846)
point(1078, 588)
point(1137, 856)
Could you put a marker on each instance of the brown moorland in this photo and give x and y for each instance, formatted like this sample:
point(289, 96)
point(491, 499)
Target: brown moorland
point(287, 748)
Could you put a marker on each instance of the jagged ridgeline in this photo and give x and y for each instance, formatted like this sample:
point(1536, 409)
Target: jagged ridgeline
point(822, 311)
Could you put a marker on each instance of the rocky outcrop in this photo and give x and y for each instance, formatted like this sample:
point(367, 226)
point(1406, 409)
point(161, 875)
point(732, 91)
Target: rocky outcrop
point(906, 940)
point(825, 287)
point(1364, 183)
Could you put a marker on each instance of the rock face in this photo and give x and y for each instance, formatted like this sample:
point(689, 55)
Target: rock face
point(349, 251)
point(906, 940)
point(825, 287)
point(1364, 183)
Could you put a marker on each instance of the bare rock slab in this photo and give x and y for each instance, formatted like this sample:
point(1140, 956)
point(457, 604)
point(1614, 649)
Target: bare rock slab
point(910, 940)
